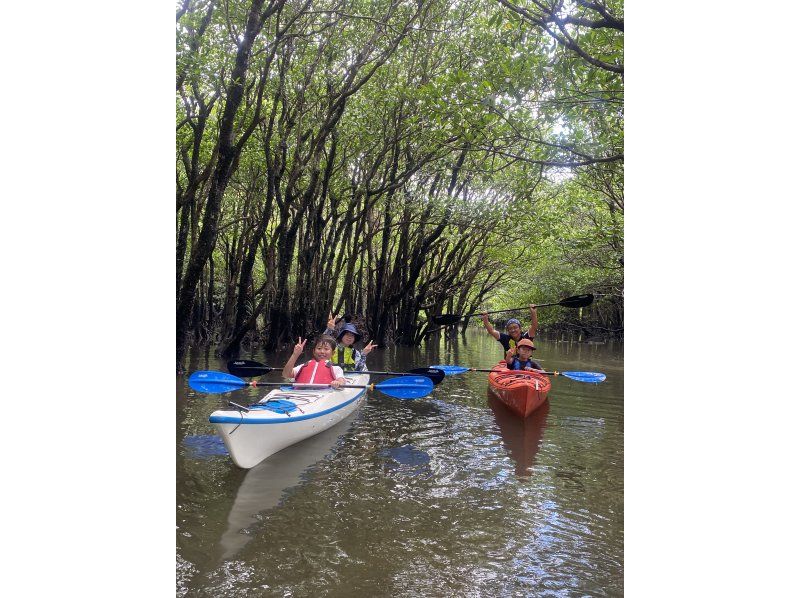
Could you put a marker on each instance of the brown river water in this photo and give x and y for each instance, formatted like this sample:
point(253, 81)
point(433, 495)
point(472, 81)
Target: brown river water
point(448, 495)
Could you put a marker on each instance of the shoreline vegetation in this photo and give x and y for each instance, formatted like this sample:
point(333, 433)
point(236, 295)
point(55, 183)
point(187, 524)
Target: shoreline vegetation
point(559, 332)
point(395, 160)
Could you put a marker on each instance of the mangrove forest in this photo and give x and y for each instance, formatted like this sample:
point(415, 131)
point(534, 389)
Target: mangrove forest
point(393, 160)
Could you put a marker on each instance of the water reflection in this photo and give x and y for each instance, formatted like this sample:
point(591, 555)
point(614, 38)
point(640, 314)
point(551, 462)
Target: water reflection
point(406, 460)
point(204, 446)
point(522, 437)
point(447, 495)
point(265, 484)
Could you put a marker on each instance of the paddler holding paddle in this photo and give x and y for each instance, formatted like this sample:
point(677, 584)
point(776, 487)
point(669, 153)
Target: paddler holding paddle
point(513, 334)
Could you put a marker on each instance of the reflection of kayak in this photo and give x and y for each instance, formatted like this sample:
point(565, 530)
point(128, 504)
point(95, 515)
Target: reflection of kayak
point(523, 392)
point(264, 485)
point(521, 437)
point(284, 417)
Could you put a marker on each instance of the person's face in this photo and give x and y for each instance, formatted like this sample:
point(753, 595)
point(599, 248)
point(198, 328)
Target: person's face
point(348, 338)
point(514, 331)
point(525, 352)
point(322, 351)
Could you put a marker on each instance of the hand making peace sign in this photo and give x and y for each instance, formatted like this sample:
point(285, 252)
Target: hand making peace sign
point(298, 348)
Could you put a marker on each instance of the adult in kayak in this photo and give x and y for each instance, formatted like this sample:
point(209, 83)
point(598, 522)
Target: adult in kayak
point(346, 355)
point(513, 334)
point(521, 360)
point(318, 370)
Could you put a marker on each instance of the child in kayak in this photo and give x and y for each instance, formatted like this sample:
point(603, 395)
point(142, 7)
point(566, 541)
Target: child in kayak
point(522, 359)
point(318, 370)
point(346, 355)
point(513, 332)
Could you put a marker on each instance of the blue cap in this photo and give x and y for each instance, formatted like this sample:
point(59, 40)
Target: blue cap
point(513, 321)
point(348, 328)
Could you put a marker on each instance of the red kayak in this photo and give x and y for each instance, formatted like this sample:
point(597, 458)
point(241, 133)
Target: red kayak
point(522, 392)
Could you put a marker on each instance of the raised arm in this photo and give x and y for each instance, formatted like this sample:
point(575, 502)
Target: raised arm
point(510, 355)
point(534, 321)
point(489, 328)
point(361, 357)
point(331, 329)
point(298, 351)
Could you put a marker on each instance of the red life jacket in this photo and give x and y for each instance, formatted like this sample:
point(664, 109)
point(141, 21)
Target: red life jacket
point(315, 372)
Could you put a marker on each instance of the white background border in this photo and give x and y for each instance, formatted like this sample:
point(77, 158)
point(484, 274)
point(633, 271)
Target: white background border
point(87, 249)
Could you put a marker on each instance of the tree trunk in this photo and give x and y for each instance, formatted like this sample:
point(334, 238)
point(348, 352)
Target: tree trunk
point(222, 173)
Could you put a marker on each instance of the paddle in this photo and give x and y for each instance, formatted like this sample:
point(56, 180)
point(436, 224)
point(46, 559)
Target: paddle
point(589, 377)
point(405, 387)
point(248, 369)
point(435, 375)
point(576, 301)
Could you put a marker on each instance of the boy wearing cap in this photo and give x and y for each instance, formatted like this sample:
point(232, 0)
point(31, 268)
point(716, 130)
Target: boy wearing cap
point(345, 355)
point(522, 359)
point(513, 333)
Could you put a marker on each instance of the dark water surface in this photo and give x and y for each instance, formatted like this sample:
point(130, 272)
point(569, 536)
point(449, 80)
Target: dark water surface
point(450, 495)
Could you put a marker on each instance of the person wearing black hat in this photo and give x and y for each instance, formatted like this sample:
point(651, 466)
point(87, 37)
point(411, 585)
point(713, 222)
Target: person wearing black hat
point(346, 356)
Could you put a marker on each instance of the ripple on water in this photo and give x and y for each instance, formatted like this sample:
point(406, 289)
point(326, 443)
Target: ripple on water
point(440, 496)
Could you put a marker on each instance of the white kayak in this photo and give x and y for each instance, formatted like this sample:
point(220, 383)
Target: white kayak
point(283, 417)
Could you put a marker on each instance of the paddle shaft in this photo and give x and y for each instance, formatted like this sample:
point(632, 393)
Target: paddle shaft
point(401, 387)
point(588, 377)
point(254, 383)
point(252, 366)
point(591, 377)
point(385, 373)
point(554, 373)
point(573, 302)
point(499, 311)
point(268, 369)
point(537, 371)
point(532, 371)
point(243, 367)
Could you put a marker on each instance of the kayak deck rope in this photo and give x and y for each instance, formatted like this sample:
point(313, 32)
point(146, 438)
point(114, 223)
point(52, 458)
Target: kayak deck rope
point(506, 379)
point(515, 377)
point(241, 411)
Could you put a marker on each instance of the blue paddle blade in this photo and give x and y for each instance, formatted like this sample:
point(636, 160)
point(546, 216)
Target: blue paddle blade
point(450, 370)
point(215, 382)
point(592, 377)
point(406, 387)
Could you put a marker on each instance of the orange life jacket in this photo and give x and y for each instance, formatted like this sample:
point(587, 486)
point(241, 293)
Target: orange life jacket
point(311, 373)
